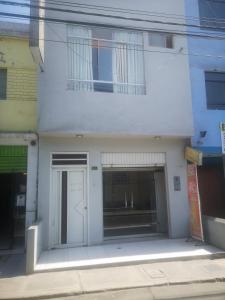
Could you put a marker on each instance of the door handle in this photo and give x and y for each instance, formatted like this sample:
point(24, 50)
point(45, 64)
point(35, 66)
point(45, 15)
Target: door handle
point(85, 207)
point(125, 200)
point(132, 200)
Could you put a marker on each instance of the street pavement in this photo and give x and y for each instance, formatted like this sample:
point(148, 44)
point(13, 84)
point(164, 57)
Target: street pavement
point(12, 265)
point(143, 281)
point(200, 291)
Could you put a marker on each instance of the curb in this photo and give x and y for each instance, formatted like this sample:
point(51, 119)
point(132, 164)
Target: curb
point(212, 256)
point(76, 293)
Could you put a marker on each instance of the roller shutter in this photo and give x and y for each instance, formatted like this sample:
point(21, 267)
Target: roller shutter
point(133, 159)
point(13, 159)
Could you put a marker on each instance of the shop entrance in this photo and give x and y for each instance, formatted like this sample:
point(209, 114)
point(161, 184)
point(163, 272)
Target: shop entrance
point(211, 179)
point(134, 201)
point(13, 181)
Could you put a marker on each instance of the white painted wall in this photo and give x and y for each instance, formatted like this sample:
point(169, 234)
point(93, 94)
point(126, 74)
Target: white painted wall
point(178, 209)
point(166, 108)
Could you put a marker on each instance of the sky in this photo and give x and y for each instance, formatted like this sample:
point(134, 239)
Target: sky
point(15, 10)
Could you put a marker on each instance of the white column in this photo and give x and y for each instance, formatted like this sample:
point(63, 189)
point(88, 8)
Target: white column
point(32, 164)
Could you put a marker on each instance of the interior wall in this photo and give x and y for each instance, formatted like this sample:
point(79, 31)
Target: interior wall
point(131, 184)
point(140, 195)
point(12, 212)
point(18, 139)
point(6, 208)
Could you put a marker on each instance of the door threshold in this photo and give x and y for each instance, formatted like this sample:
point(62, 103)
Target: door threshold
point(67, 246)
point(130, 226)
point(11, 251)
point(131, 238)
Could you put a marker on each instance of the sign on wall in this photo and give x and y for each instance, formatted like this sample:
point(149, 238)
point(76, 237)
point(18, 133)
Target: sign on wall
point(194, 203)
point(194, 156)
point(222, 128)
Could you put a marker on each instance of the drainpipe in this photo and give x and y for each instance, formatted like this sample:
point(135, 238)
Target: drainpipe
point(37, 179)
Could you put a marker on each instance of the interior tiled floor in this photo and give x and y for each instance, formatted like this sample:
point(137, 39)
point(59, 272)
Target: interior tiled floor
point(123, 252)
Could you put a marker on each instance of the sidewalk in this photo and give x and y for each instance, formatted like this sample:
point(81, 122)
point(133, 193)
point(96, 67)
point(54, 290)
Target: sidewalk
point(200, 291)
point(81, 282)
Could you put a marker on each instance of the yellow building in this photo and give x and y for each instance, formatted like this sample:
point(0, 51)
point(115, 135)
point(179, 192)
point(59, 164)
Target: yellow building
point(18, 95)
point(18, 138)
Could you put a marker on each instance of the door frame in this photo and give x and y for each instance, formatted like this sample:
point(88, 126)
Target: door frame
point(52, 204)
point(31, 141)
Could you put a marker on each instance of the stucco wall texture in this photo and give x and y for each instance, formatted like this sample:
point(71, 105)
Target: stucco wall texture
point(164, 110)
point(18, 110)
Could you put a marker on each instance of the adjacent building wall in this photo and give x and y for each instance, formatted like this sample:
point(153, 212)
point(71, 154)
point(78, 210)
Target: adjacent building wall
point(178, 210)
point(18, 111)
point(205, 54)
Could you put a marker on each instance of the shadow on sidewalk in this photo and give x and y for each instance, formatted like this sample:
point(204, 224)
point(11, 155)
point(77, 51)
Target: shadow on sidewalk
point(12, 265)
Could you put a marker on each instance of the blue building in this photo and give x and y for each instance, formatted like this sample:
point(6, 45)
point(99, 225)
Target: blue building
point(206, 42)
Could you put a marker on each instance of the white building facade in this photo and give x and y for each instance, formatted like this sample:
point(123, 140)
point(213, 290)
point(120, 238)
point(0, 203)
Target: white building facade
point(115, 115)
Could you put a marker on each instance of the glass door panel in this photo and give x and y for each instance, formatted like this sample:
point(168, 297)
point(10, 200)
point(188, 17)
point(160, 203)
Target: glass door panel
point(129, 202)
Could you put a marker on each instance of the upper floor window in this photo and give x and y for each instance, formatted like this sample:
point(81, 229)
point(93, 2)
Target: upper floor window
point(215, 90)
point(106, 60)
point(162, 40)
point(3, 83)
point(212, 14)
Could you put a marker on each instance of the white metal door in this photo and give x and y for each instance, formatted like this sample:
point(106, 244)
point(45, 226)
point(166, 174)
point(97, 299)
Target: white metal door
point(69, 207)
point(77, 207)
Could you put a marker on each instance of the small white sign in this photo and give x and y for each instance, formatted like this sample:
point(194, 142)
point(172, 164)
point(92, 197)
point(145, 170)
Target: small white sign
point(222, 128)
point(20, 200)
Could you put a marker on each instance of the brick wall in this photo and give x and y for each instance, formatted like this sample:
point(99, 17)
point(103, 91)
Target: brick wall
point(21, 84)
point(18, 112)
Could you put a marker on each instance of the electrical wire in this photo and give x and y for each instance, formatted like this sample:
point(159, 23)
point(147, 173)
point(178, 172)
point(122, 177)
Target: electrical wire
point(102, 85)
point(159, 22)
point(171, 52)
point(211, 35)
point(128, 11)
point(198, 35)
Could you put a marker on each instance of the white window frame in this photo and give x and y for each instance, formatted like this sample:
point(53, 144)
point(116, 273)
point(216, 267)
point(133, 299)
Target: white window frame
point(112, 41)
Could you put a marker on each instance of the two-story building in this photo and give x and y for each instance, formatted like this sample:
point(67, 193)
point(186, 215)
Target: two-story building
point(18, 141)
point(207, 74)
point(115, 115)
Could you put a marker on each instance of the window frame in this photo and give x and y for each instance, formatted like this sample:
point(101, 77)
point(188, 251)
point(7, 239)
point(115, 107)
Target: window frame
point(116, 42)
point(167, 39)
point(214, 20)
point(5, 87)
point(215, 106)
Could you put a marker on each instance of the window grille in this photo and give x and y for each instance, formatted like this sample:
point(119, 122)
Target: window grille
point(69, 159)
point(105, 60)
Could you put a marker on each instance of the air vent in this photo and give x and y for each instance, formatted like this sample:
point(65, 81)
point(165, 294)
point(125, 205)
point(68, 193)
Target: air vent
point(63, 159)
